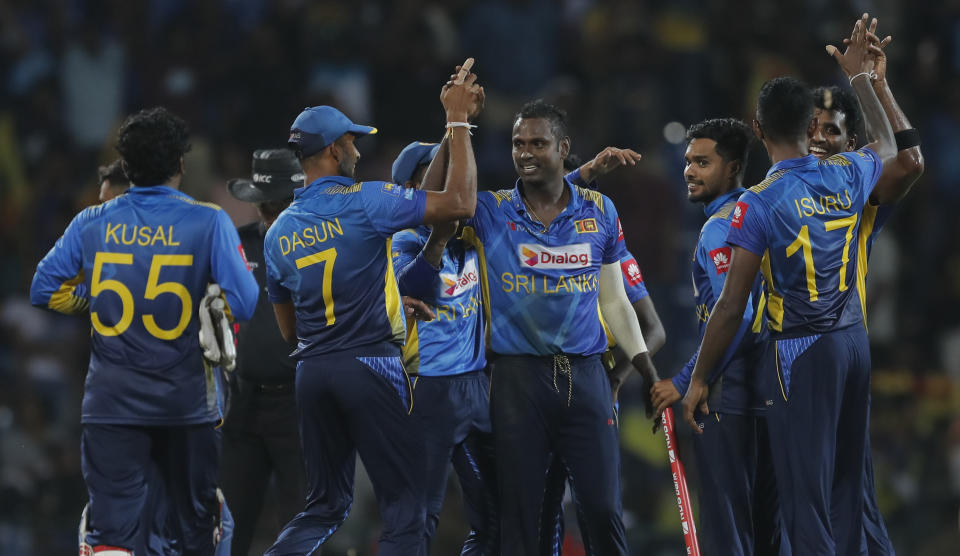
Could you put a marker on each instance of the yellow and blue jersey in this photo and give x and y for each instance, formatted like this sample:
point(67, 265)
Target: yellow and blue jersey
point(802, 219)
point(873, 218)
point(140, 265)
point(711, 261)
point(329, 253)
point(453, 343)
point(542, 283)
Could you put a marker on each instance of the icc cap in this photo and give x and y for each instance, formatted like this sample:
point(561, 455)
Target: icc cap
point(276, 173)
point(318, 126)
point(412, 156)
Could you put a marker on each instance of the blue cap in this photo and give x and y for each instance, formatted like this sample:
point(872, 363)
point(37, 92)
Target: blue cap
point(412, 156)
point(318, 126)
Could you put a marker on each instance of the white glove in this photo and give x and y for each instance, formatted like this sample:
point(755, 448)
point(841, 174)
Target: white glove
point(228, 351)
point(208, 334)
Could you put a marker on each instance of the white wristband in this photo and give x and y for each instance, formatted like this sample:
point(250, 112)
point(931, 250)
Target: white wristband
point(451, 125)
point(871, 74)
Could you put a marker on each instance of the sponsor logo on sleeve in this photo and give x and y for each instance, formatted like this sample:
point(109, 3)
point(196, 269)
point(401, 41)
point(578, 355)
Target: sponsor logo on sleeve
point(243, 255)
point(739, 211)
point(454, 285)
point(576, 255)
point(619, 230)
point(586, 226)
point(408, 193)
point(393, 189)
point(721, 259)
point(631, 271)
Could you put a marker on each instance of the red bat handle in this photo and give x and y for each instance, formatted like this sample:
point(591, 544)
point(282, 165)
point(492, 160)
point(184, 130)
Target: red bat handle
point(680, 486)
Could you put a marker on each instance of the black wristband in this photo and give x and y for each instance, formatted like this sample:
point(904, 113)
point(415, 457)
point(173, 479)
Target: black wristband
point(907, 139)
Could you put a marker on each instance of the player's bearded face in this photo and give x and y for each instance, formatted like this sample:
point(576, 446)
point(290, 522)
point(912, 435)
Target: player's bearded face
point(349, 155)
point(831, 136)
point(537, 152)
point(705, 171)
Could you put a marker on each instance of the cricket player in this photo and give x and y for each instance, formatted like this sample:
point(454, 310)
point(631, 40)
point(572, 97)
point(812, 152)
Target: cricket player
point(737, 494)
point(446, 358)
point(838, 117)
point(798, 225)
point(140, 265)
point(332, 283)
point(550, 253)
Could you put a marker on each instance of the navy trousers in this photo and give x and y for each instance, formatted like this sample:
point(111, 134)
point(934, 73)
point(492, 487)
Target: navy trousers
point(118, 461)
point(818, 429)
point(560, 406)
point(358, 401)
point(454, 413)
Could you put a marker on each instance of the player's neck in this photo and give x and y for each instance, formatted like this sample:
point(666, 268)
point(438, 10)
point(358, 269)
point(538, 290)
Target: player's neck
point(545, 194)
point(779, 152)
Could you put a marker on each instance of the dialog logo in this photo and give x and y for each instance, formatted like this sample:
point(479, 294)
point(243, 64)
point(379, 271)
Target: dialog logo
point(468, 279)
point(576, 255)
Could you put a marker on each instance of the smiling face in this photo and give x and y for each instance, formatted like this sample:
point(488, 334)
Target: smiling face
point(831, 135)
point(706, 173)
point(537, 153)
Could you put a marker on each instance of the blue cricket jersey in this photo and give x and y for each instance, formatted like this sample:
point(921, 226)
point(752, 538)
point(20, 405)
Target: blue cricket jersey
point(140, 264)
point(873, 218)
point(329, 253)
point(711, 261)
point(803, 219)
point(452, 343)
point(542, 284)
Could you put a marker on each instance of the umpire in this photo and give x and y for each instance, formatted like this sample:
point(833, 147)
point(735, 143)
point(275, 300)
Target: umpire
point(261, 442)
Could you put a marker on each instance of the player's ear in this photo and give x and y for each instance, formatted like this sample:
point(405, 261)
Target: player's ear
point(757, 130)
point(564, 147)
point(812, 128)
point(181, 165)
point(734, 167)
point(852, 142)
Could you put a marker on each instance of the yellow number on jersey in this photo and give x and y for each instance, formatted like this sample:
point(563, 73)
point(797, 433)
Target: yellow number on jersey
point(803, 242)
point(327, 256)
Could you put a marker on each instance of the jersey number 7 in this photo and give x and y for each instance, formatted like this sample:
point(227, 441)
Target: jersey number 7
point(327, 256)
point(803, 243)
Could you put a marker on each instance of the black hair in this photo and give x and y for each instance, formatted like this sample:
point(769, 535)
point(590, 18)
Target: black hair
point(151, 144)
point(841, 100)
point(540, 109)
point(572, 162)
point(113, 173)
point(732, 137)
point(785, 109)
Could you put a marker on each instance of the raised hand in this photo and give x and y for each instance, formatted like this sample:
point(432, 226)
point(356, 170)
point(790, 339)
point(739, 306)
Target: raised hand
point(607, 160)
point(461, 97)
point(877, 47)
point(858, 57)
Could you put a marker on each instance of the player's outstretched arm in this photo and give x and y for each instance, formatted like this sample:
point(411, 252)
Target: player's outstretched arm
point(606, 161)
point(458, 200)
point(653, 334)
point(622, 320)
point(858, 63)
point(722, 327)
point(897, 178)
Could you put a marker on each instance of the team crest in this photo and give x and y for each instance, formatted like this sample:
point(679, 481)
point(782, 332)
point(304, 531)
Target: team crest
point(586, 226)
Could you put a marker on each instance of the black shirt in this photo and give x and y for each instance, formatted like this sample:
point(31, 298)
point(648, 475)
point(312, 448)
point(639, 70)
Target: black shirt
point(262, 354)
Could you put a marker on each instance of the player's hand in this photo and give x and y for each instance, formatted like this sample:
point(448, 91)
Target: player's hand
point(858, 57)
point(877, 47)
point(642, 363)
point(462, 97)
point(664, 394)
point(444, 231)
point(607, 160)
point(416, 309)
point(696, 398)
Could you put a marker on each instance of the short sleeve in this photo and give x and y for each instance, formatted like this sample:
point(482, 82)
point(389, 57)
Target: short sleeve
point(228, 263)
point(483, 217)
point(633, 279)
point(276, 291)
point(407, 244)
point(867, 168)
point(714, 254)
point(392, 207)
point(749, 224)
point(614, 248)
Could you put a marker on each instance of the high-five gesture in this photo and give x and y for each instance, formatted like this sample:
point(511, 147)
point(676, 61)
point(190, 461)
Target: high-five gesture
point(461, 97)
point(860, 56)
point(607, 160)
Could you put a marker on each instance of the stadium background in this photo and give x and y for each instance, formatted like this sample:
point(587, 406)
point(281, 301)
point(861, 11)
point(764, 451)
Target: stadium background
point(239, 71)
